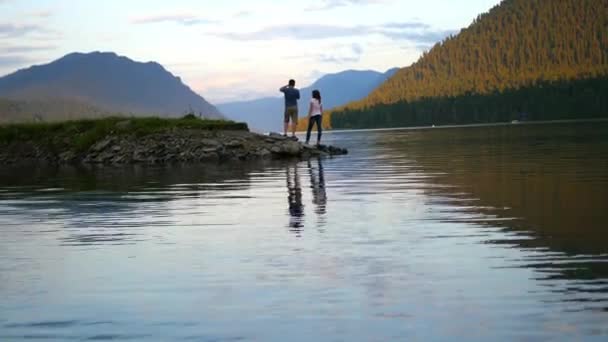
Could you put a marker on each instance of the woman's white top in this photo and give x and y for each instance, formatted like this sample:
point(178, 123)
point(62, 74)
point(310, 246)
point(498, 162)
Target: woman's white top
point(317, 108)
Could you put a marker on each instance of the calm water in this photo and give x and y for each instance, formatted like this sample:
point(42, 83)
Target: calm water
point(476, 234)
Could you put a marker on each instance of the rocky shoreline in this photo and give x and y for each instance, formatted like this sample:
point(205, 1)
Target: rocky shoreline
point(172, 146)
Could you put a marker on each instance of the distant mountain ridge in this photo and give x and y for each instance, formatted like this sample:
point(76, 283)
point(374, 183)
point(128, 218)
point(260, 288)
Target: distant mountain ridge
point(107, 81)
point(336, 89)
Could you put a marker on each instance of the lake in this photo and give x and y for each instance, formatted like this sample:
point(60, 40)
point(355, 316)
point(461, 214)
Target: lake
point(475, 234)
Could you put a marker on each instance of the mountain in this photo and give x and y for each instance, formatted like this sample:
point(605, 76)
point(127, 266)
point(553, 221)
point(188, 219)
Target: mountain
point(336, 89)
point(542, 54)
point(343, 87)
point(13, 111)
point(106, 80)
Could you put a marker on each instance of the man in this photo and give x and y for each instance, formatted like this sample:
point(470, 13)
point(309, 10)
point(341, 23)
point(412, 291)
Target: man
point(292, 95)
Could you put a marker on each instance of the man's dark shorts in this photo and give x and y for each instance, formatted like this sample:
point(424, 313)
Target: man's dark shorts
point(291, 113)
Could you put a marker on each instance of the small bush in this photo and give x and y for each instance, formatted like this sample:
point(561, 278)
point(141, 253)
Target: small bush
point(190, 117)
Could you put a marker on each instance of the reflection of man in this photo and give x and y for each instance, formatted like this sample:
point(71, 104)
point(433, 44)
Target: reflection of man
point(317, 184)
point(296, 208)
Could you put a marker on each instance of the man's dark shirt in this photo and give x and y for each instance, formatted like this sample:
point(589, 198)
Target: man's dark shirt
point(292, 95)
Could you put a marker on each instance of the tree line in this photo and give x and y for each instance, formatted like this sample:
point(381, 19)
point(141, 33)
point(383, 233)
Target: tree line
point(549, 100)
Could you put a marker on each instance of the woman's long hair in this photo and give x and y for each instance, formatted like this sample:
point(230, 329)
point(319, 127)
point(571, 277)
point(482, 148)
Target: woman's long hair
point(316, 95)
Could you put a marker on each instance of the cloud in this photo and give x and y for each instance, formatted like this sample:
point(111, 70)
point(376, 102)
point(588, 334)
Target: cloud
point(331, 4)
point(25, 48)
point(18, 60)
point(316, 74)
point(242, 14)
point(411, 31)
point(337, 59)
point(35, 32)
point(180, 19)
point(12, 30)
point(407, 25)
point(353, 56)
point(300, 32)
point(357, 49)
point(423, 47)
point(228, 86)
point(427, 38)
point(41, 13)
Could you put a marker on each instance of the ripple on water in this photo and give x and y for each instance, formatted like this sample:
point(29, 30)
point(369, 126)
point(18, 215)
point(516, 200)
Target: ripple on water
point(435, 235)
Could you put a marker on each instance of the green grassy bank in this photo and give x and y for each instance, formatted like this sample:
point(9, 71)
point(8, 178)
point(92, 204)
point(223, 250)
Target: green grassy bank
point(81, 134)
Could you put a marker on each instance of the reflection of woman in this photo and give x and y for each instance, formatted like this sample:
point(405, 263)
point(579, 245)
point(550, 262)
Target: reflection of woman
point(315, 116)
point(317, 184)
point(296, 208)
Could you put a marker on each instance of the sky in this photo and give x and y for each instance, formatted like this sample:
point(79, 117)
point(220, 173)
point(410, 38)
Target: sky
point(230, 50)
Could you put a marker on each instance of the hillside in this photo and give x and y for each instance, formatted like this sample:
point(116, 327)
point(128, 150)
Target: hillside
point(337, 89)
point(108, 81)
point(12, 111)
point(519, 44)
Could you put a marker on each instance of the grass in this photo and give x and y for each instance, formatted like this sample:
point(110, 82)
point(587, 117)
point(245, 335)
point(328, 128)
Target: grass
point(81, 134)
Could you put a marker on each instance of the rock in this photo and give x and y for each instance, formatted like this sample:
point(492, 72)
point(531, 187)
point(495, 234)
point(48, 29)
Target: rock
point(234, 144)
point(122, 125)
point(242, 156)
point(105, 156)
point(264, 153)
point(332, 150)
point(277, 136)
point(210, 142)
point(139, 156)
point(118, 160)
point(102, 145)
point(291, 148)
point(179, 145)
point(335, 150)
point(209, 150)
point(209, 156)
point(186, 156)
point(67, 156)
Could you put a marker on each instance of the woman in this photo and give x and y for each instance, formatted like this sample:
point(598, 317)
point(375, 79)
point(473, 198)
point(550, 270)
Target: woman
point(315, 115)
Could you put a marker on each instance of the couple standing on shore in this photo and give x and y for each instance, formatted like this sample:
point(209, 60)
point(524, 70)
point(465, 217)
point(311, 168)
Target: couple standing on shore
point(315, 111)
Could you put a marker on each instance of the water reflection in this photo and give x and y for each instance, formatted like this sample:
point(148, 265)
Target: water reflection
point(94, 206)
point(318, 194)
point(546, 187)
point(317, 184)
point(294, 199)
point(472, 234)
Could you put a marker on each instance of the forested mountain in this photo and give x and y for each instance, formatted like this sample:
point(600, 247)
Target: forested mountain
point(519, 46)
point(266, 114)
point(107, 81)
